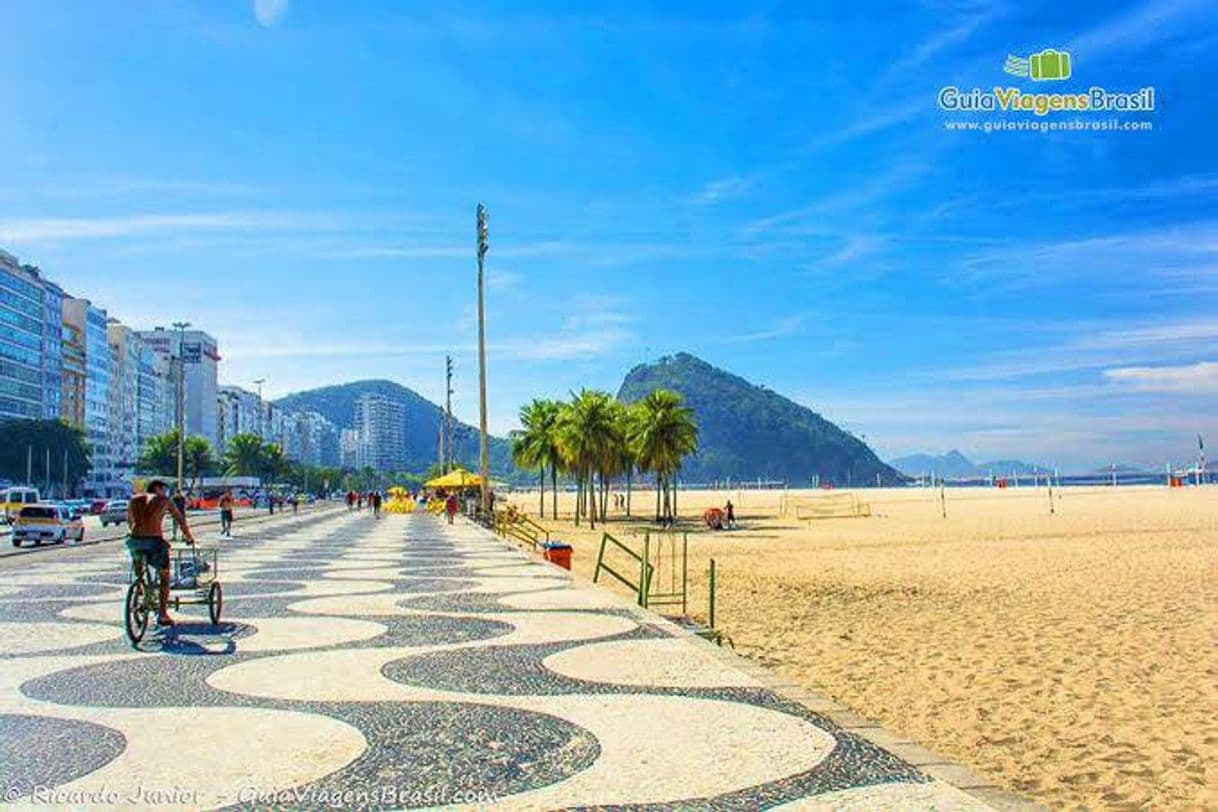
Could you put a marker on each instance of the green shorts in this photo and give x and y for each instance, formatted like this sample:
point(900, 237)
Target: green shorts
point(154, 549)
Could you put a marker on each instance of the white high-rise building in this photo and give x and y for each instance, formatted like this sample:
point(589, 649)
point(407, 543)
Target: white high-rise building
point(125, 350)
point(198, 355)
point(90, 409)
point(349, 448)
point(236, 413)
point(311, 439)
point(381, 424)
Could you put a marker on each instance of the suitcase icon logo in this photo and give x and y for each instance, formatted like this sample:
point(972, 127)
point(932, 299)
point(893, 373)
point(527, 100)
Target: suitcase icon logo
point(1048, 65)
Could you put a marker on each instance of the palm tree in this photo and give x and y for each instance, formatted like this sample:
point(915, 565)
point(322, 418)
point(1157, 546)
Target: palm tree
point(663, 432)
point(586, 432)
point(198, 459)
point(625, 416)
point(160, 454)
point(245, 456)
point(273, 462)
point(535, 446)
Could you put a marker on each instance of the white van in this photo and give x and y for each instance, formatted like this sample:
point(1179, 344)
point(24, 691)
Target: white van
point(12, 500)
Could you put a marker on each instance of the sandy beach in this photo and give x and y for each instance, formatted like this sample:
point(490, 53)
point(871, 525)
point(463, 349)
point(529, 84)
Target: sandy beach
point(1071, 657)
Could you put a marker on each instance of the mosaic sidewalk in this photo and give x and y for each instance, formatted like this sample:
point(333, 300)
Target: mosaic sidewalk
point(404, 663)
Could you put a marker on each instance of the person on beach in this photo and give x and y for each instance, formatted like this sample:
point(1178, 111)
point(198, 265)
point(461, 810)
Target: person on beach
point(730, 510)
point(360, 500)
point(376, 504)
point(350, 500)
point(145, 519)
point(450, 507)
point(226, 513)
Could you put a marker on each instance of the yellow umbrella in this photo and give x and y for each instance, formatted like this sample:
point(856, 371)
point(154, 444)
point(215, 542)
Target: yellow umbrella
point(457, 478)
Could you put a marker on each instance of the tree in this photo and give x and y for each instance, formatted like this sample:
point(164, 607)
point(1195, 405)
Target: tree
point(586, 432)
point(198, 459)
point(535, 446)
point(27, 443)
point(160, 455)
point(662, 432)
point(273, 463)
point(245, 456)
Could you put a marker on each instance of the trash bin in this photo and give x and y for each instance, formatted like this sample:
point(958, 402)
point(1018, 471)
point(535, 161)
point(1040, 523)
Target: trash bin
point(557, 552)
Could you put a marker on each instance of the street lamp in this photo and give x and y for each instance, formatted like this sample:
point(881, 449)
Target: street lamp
point(484, 465)
point(181, 326)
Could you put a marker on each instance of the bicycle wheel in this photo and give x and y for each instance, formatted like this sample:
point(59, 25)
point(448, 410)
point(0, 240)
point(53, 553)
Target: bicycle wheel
point(215, 600)
point(136, 614)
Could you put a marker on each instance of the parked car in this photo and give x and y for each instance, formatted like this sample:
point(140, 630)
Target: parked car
point(13, 499)
point(115, 512)
point(97, 506)
point(79, 508)
point(46, 522)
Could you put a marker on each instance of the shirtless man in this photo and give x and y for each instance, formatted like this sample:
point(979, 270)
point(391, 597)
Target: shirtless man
point(145, 515)
point(226, 513)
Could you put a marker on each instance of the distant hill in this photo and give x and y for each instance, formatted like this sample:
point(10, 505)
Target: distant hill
point(337, 404)
point(952, 464)
point(955, 465)
point(747, 431)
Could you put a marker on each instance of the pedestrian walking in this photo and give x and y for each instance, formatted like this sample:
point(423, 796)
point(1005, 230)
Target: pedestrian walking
point(450, 507)
point(226, 513)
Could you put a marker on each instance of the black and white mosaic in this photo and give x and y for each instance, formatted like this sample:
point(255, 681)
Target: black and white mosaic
point(497, 722)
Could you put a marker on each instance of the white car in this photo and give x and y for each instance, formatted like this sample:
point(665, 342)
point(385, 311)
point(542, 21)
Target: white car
point(115, 512)
point(47, 523)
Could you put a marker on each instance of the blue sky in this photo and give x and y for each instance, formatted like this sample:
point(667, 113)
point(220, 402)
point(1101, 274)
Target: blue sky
point(771, 187)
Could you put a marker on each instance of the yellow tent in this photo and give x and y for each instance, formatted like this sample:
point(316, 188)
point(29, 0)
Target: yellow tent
point(457, 478)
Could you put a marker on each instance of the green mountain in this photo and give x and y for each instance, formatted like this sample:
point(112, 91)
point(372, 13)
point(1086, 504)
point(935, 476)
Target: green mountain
point(337, 404)
point(747, 431)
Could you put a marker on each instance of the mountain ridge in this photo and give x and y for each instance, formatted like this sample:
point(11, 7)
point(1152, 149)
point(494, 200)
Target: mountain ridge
point(955, 465)
point(748, 431)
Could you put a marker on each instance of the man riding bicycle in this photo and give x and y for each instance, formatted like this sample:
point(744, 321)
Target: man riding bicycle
point(145, 516)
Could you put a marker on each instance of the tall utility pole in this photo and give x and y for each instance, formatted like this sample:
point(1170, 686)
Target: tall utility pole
point(484, 464)
point(447, 463)
point(181, 326)
point(259, 383)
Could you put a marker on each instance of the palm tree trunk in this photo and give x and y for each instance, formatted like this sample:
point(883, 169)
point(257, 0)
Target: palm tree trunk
point(629, 476)
point(541, 509)
point(591, 493)
point(674, 498)
point(579, 496)
point(659, 487)
point(554, 489)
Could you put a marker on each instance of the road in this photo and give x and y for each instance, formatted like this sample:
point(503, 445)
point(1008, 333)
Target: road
point(204, 520)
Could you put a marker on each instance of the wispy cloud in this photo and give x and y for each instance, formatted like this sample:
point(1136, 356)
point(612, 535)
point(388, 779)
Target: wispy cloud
point(1184, 251)
point(78, 228)
point(269, 13)
point(779, 328)
point(1196, 378)
point(719, 190)
point(1141, 26)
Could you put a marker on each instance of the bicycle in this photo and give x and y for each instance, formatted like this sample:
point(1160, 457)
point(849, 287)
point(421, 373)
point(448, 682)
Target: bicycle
point(194, 577)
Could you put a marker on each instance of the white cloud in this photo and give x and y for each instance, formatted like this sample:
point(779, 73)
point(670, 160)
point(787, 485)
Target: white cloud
point(786, 326)
point(1144, 25)
point(269, 13)
point(1186, 379)
point(719, 190)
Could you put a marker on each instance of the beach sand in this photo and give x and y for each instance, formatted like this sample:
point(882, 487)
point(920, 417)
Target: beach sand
point(1070, 657)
